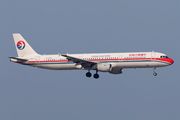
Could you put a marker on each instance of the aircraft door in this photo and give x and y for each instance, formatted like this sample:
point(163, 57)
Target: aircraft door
point(37, 60)
point(81, 57)
point(153, 56)
point(120, 57)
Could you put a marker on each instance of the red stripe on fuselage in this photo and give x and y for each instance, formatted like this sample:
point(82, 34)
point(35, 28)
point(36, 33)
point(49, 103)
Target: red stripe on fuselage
point(169, 60)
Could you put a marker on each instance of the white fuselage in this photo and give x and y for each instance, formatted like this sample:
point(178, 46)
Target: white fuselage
point(117, 60)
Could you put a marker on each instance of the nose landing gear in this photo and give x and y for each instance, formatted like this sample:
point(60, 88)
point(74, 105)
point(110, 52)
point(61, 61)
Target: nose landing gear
point(154, 69)
point(155, 74)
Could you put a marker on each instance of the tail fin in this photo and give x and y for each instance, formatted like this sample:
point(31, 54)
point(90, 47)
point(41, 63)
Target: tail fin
point(22, 47)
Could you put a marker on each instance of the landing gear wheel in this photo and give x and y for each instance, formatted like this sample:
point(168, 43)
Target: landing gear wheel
point(96, 76)
point(154, 69)
point(155, 74)
point(88, 74)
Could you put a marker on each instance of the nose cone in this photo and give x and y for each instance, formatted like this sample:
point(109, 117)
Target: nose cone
point(171, 61)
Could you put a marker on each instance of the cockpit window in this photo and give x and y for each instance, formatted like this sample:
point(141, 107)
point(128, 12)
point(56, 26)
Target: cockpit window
point(164, 57)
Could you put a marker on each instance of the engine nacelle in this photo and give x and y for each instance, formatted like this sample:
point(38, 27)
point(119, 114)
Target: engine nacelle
point(116, 71)
point(103, 67)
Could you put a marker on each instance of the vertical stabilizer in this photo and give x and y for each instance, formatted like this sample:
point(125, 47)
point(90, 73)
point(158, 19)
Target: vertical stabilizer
point(22, 47)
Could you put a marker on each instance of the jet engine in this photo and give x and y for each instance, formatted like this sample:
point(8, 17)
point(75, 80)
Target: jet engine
point(116, 71)
point(103, 67)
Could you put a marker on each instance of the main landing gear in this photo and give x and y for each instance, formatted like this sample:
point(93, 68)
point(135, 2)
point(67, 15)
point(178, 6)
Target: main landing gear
point(88, 74)
point(96, 75)
point(154, 69)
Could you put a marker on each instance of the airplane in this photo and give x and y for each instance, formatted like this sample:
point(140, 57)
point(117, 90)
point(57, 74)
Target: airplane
point(113, 63)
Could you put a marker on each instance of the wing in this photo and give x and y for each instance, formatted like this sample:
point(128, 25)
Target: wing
point(86, 64)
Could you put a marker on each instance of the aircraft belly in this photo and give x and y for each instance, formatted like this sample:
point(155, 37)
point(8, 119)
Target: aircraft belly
point(58, 66)
point(122, 64)
point(139, 64)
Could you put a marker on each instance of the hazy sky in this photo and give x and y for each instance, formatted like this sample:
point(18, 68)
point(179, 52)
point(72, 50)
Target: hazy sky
point(90, 26)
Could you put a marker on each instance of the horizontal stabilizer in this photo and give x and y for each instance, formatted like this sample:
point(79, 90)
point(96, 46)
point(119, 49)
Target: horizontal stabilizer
point(18, 59)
